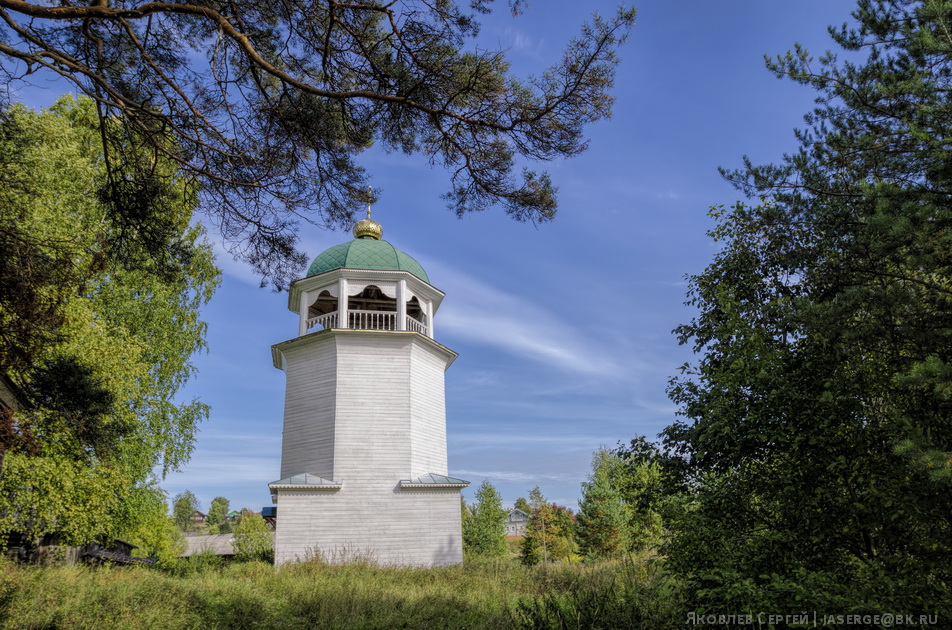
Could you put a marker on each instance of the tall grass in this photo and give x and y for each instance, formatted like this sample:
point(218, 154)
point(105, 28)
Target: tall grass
point(627, 594)
point(480, 594)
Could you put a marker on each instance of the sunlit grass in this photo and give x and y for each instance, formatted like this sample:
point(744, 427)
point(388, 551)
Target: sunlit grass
point(480, 594)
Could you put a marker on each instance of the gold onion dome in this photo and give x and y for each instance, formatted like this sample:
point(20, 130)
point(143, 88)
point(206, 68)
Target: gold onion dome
point(368, 228)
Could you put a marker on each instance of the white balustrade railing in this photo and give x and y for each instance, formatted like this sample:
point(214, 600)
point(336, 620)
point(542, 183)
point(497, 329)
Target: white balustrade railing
point(366, 320)
point(326, 321)
point(415, 325)
point(372, 320)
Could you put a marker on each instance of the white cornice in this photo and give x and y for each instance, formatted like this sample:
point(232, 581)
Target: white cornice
point(277, 350)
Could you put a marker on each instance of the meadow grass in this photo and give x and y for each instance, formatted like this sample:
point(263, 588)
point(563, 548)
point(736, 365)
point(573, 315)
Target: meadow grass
point(478, 594)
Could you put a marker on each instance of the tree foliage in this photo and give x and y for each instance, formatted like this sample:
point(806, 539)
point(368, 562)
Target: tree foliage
point(484, 527)
point(253, 539)
point(654, 489)
point(99, 371)
point(154, 532)
point(269, 102)
point(184, 506)
point(217, 515)
point(550, 532)
point(818, 432)
point(602, 521)
point(522, 504)
point(465, 513)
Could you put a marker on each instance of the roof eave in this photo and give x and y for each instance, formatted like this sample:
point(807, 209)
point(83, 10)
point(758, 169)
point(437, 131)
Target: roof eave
point(409, 485)
point(277, 356)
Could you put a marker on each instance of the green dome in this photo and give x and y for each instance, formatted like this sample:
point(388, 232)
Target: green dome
point(365, 253)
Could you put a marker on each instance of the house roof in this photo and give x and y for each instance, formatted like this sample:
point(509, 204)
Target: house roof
point(218, 544)
point(433, 480)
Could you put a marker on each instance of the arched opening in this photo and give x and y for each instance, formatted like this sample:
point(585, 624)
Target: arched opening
point(325, 303)
point(372, 309)
point(368, 309)
point(322, 311)
point(416, 319)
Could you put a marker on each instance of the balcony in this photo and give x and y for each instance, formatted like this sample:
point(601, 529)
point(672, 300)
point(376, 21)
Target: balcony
point(365, 320)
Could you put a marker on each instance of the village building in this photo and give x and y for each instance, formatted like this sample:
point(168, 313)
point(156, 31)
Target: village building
point(198, 521)
point(363, 460)
point(516, 522)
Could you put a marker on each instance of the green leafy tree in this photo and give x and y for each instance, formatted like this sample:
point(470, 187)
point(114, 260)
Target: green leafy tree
point(550, 534)
point(653, 489)
point(603, 528)
point(561, 533)
point(217, 513)
point(522, 504)
point(100, 420)
point(530, 552)
point(484, 530)
point(817, 430)
point(253, 539)
point(155, 533)
point(184, 506)
point(465, 514)
point(268, 104)
point(533, 547)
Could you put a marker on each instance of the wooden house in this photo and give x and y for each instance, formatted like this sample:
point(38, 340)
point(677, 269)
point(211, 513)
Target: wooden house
point(516, 522)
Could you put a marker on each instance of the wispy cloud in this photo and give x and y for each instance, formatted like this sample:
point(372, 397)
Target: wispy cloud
point(233, 268)
point(225, 468)
point(514, 39)
point(522, 41)
point(513, 476)
point(510, 440)
point(235, 465)
point(484, 314)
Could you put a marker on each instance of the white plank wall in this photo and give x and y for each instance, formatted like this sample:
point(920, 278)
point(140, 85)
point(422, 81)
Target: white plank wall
point(363, 521)
point(427, 413)
point(311, 389)
point(367, 409)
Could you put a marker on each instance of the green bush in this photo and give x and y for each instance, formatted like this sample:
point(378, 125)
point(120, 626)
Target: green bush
point(253, 539)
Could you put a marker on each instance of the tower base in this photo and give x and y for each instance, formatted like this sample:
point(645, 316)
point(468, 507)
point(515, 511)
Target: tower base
point(390, 523)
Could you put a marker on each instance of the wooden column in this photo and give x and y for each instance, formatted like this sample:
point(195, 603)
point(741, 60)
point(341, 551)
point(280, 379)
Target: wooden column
point(302, 328)
point(401, 304)
point(343, 319)
point(429, 319)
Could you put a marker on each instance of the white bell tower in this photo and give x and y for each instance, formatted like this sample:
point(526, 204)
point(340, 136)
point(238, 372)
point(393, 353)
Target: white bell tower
point(363, 457)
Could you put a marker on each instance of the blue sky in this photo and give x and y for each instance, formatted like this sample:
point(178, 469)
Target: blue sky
point(563, 331)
